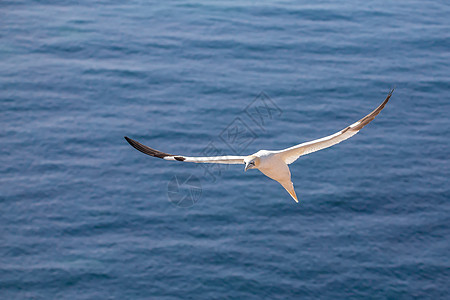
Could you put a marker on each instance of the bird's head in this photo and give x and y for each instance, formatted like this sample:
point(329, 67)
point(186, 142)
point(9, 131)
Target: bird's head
point(251, 162)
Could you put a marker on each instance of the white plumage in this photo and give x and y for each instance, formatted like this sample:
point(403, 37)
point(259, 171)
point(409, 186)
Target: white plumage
point(273, 164)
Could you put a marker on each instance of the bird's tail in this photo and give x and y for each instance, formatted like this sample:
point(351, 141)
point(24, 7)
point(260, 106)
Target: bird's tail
point(290, 189)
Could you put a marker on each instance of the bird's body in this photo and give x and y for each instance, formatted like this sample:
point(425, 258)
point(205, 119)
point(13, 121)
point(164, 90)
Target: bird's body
point(275, 168)
point(273, 164)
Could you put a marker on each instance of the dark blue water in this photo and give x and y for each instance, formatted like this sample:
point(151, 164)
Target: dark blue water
point(85, 216)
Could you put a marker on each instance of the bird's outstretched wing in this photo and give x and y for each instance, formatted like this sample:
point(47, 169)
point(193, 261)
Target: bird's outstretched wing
point(213, 159)
point(291, 154)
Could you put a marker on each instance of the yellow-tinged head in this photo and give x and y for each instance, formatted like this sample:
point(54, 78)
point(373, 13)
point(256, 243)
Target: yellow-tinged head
point(251, 162)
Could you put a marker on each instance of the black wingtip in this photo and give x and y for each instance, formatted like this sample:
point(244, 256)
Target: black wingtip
point(130, 141)
point(145, 149)
point(392, 91)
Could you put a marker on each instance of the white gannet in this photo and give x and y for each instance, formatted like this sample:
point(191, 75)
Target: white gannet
point(273, 164)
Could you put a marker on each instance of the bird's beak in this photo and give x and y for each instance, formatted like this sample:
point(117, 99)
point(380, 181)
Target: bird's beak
point(246, 167)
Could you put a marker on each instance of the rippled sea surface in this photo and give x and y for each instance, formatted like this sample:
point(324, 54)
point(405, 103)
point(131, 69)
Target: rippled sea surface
point(85, 216)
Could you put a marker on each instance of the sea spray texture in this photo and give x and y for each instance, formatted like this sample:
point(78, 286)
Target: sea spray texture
point(83, 215)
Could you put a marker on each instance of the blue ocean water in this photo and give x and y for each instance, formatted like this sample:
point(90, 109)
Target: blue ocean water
point(85, 216)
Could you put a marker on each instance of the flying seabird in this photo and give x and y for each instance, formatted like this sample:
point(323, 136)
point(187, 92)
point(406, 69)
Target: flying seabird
point(273, 164)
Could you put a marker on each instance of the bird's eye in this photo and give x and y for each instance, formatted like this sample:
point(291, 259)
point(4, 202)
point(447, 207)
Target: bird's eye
point(252, 163)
